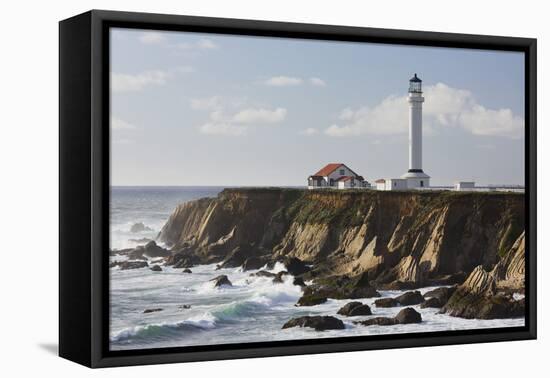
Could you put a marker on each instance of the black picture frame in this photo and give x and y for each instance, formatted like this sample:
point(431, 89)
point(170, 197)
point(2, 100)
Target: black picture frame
point(84, 187)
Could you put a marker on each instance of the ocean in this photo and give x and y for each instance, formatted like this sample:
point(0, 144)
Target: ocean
point(194, 312)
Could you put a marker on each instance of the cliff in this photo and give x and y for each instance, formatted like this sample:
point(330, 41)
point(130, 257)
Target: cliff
point(398, 239)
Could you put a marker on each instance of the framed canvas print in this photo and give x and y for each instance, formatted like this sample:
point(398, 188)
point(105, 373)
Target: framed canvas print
point(234, 188)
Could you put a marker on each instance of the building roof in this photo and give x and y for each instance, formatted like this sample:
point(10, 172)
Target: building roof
point(380, 181)
point(344, 178)
point(328, 169)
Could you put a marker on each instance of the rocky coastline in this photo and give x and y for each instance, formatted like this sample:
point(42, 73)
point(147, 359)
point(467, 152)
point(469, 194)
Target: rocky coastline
point(352, 244)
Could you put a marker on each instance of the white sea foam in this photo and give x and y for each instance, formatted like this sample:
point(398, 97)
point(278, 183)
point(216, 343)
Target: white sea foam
point(518, 296)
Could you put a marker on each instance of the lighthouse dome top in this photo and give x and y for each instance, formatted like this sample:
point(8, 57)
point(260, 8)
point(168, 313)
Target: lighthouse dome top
point(416, 79)
point(415, 85)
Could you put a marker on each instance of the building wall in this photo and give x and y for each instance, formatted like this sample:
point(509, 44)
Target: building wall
point(313, 184)
point(355, 184)
point(396, 184)
point(415, 130)
point(337, 174)
point(464, 185)
point(418, 183)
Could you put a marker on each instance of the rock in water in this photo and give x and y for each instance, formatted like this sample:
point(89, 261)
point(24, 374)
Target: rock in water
point(263, 273)
point(311, 298)
point(298, 281)
point(438, 297)
point(253, 263)
point(319, 323)
point(340, 287)
point(386, 302)
point(410, 298)
point(441, 293)
point(408, 315)
point(221, 280)
point(184, 263)
point(153, 250)
point(431, 303)
point(355, 309)
point(183, 259)
point(150, 249)
point(238, 256)
point(279, 277)
point(295, 266)
point(478, 298)
point(382, 321)
point(139, 227)
point(185, 307)
point(149, 310)
point(186, 270)
point(125, 265)
point(156, 268)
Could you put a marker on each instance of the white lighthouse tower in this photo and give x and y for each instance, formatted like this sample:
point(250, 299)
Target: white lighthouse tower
point(415, 176)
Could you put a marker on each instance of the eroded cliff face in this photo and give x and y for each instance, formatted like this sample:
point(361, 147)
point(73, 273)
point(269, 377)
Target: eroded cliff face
point(400, 239)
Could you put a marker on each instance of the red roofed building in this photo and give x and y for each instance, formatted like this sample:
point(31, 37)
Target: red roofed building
point(336, 176)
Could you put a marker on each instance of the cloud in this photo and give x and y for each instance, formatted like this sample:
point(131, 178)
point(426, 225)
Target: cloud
point(309, 131)
point(185, 69)
point(121, 130)
point(236, 122)
point(315, 81)
point(283, 81)
point(136, 82)
point(250, 116)
point(222, 129)
point(208, 103)
point(119, 124)
point(201, 44)
point(152, 38)
point(486, 146)
point(445, 107)
point(290, 81)
point(206, 44)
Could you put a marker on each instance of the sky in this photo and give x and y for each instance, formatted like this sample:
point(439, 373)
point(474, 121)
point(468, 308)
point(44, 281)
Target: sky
point(210, 109)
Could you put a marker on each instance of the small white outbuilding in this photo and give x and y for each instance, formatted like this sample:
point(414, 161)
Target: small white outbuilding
point(464, 185)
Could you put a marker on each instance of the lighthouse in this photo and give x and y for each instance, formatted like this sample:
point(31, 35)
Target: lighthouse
point(415, 176)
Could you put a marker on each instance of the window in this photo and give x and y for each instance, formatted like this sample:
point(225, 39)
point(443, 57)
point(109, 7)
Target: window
point(342, 172)
point(421, 183)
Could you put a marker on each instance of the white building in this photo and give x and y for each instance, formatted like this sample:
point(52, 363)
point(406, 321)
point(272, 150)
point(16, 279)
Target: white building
point(464, 185)
point(380, 184)
point(391, 184)
point(415, 178)
point(336, 176)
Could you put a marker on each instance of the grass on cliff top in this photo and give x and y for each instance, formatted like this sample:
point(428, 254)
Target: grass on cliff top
point(328, 191)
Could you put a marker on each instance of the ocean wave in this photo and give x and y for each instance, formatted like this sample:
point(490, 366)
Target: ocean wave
point(155, 331)
point(237, 311)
